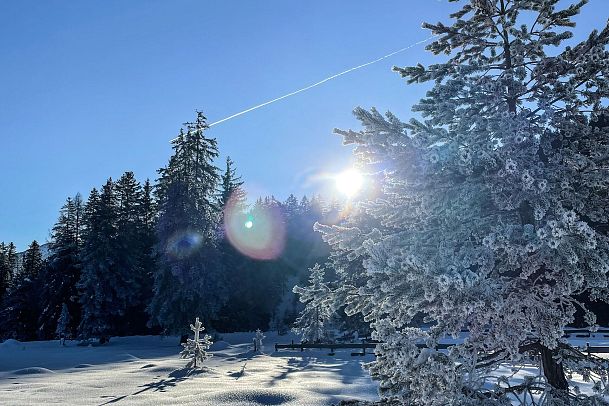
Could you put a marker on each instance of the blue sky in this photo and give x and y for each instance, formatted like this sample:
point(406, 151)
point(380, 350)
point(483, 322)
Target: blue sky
point(90, 89)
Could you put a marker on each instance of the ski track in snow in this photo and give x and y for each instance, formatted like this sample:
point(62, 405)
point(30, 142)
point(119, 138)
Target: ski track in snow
point(148, 371)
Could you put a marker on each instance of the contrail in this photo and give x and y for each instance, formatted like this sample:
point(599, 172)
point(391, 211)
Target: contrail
point(285, 96)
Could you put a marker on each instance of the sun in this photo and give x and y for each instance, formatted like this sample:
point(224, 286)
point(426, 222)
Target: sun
point(349, 182)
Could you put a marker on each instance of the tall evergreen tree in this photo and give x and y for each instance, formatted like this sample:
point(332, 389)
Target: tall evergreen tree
point(231, 186)
point(105, 284)
point(5, 271)
point(188, 281)
point(237, 309)
point(147, 259)
point(490, 208)
point(314, 320)
point(62, 273)
point(132, 217)
point(21, 307)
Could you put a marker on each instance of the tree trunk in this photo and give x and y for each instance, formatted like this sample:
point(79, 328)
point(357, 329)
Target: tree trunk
point(552, 370)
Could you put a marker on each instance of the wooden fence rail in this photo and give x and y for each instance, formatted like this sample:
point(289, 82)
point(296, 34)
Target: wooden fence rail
point(332, 347)
point(364, 346)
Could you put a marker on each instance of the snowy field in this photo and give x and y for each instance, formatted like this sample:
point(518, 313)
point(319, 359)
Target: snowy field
point(148, 371)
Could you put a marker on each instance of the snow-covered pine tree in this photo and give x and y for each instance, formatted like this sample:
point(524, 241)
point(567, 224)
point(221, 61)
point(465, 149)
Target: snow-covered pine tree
point(63, 330)
point(348, 273)
point(312, 323)
point(258, 338)
point(60, 276)
point(189, 278)
point(20, 309)
point(196, 348)
point(493, 209)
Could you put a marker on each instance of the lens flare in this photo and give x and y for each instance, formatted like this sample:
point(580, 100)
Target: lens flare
point(349, 182)
point(183, 244)
point(259, 235)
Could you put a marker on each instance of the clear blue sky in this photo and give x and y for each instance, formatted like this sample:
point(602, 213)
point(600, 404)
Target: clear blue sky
point(90, 89)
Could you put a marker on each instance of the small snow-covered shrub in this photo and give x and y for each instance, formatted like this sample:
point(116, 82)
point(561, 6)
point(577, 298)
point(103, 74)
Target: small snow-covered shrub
point(196, 348)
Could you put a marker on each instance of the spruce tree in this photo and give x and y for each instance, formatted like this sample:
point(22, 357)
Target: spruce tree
point(147, 259)
point(238, 308)
point(314, 320)
point(60, 276)
point(188, 280)
point(8, 266)
point(105, 281)
point(12, 259)
point(231, 186)
point(133, 224)
point(20, 308)
point(492, 208)
point(5, 271)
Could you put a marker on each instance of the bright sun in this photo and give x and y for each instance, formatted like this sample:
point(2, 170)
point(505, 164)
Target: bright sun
point(349, 182)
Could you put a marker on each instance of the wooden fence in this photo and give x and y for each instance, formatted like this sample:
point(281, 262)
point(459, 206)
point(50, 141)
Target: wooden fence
point(570, 333)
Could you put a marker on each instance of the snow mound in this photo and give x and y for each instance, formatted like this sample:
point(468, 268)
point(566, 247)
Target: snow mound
point(10, 343)
point(255, 397)
point(219, 346)
point(80, 366)
point(33, 371)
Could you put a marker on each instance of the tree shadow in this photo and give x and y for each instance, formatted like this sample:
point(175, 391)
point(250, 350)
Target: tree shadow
point(347, 368)
point(293, 365)
point(164, 384)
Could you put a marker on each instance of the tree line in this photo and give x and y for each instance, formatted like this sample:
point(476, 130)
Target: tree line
point(147, 258)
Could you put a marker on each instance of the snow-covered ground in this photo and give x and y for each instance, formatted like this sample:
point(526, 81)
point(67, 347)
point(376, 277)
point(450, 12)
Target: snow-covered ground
point(148, 371)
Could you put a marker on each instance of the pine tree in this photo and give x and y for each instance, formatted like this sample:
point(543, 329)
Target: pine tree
point(20, 308)
point(290, 207)
point(8, 266)
point(135, 222)
point(314, 320)
point(258, 340)
point(105, 285)
point(147, 258)
point(63, 322)
point(196, 348)
point(12, 259)
point(231, 187)
point(490, 207)
point(236, 266)
point(62, 273)
point(5, 271)
point(189, 278)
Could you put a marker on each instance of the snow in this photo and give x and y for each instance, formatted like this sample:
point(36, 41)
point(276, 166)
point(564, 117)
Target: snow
point(148, 370)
